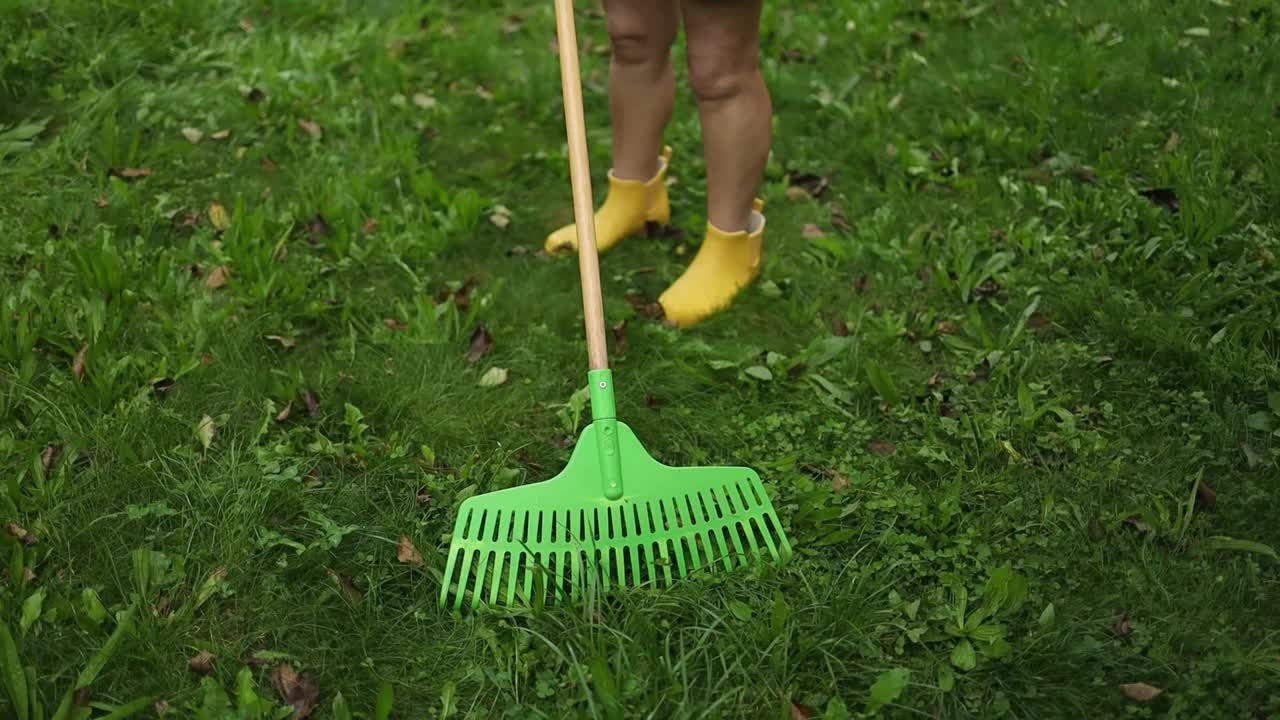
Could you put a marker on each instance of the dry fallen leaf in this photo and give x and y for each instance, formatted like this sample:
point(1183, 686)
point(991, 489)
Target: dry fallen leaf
point(424, 101)
point(406, 552)
point(311, 128)
point(78, 365)
point(481, 344)
point(812, 232)
point(101, 201)
point(797, 194)
point(494, 377)
point(1206, 497)
point(300, 691)
point(49, 456)
point(284, 414)
point(839, 327)
point(801, 712)
point(285, 341)
point(221, 135)
point(881, 447)
point(346, 585)
point(1123, 628)
point(370, 226)
point(201, 664)
point(620, 342)
point(312, 402)
point(132, 173)
point(501, 216)
point(947, 327)
point(246, 24)
point(20, 534)
point(204, 431)
point(193, 135)
point(219, 217)
point(217, 277)
point(1141, 692)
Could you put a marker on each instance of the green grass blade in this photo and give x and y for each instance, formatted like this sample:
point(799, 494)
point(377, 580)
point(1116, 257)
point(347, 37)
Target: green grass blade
point(1226, 543)
point(15, 681)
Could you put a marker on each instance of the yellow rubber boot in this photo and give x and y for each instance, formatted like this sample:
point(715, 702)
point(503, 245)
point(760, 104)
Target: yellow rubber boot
point(629, 205)
point(725, 264)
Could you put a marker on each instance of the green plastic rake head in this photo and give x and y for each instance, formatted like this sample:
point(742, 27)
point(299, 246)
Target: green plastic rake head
point(567, 536)
point(614, 516)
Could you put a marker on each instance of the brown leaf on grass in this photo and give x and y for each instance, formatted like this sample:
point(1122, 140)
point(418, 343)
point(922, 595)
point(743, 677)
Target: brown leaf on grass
point(219, 217)
point(812, 185)
point(987, 289)
point(1206, 497)
point(217, 277)
point(811, 232)
point(346, 586)
point(423, 497)
point(311, 128)
point(406, 552)
point(300, 691)
point(947, 411)
point(650, 310)
point(369, 227)
point(1173, 142)
point(800, 711)
point(620, 338)
point(130, 173)
point(1166, 198)
point(838, 480)
point(947, 327)
point(881, 447)
point(462, 296)
point(860, 285)
point(393, 324)
point(285, 341)
point(50, 456)
point(839, 327)
point(206, 359)
point(653, 402)
point(1137, 523)
point(101, 202)
point(797, 194)
point(83, 696)
point(221, 135)
point(285, 413)
point(481, 344)
point(311, 401)
point(193, 135)
point(20, 534)
point(1122, 628)
point(78, 365)
point(1141, 692)
point(202, 663)
point(935, 379)
point(838, 220)
point(317, 228)
point(246, 24)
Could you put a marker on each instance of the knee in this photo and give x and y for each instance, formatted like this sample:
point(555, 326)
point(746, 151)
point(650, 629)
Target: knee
point(635, 42)
point(721, 75)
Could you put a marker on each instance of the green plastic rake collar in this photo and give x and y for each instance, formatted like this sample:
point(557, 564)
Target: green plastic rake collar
point(613, 517)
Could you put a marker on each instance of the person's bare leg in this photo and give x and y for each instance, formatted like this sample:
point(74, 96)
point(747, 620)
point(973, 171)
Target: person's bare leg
point(735, 110)
point(641, 100)
point(642, 84)
point(733, 103)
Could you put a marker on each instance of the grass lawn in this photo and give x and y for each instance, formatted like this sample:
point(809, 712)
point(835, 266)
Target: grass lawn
point(1011, 373)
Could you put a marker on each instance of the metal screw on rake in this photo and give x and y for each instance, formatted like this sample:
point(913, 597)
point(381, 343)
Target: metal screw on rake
point(614, 516)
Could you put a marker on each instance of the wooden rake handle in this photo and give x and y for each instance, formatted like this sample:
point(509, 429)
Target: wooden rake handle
point(580, 175)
